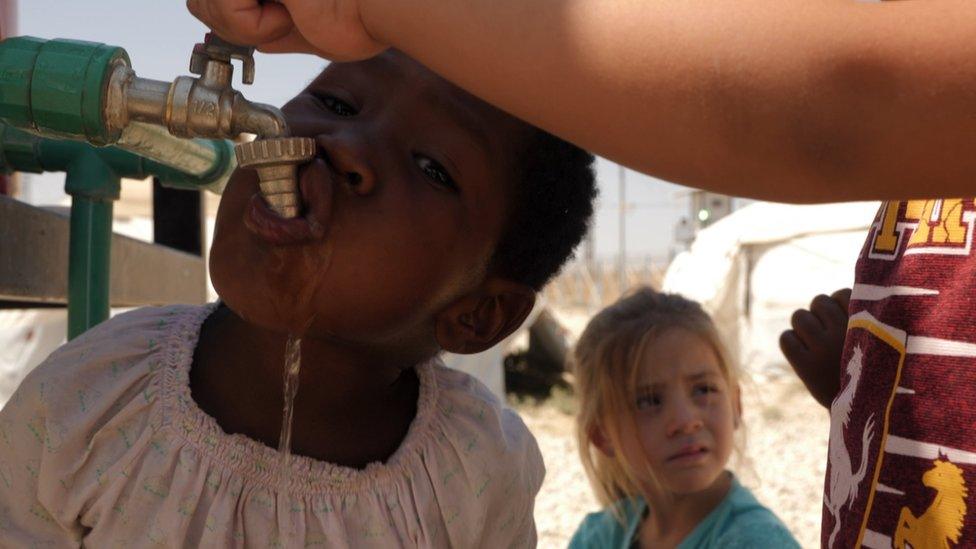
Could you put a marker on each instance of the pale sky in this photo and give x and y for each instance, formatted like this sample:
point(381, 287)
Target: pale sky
point(159, 34)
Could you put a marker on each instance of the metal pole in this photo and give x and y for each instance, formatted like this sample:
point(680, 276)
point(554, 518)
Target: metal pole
point(93, 187)
point(622, 256)
point(88, 264)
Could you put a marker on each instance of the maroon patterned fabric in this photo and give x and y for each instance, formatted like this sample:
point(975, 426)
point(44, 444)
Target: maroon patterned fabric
point(902, 454)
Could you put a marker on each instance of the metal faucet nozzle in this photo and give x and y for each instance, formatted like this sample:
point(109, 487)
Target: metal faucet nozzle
point(209, 107)
point(276, 161)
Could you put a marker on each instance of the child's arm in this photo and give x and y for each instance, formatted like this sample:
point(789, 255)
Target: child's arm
point(789, 100)
point(27, 438)
point(815, 344)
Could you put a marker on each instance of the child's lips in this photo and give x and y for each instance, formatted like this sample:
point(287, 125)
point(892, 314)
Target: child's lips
point(688, 454)
point(315, 184)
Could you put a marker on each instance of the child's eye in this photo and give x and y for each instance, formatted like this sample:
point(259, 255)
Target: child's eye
point(336, 105)
point(435, 172)
point(648, 401)
point(704, 389)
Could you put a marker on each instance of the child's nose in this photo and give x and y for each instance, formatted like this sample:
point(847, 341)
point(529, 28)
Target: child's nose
point(346, 155)
point(684, 419)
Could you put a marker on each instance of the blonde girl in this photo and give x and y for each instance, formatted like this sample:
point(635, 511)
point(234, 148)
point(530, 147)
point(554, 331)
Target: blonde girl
point(659, 404)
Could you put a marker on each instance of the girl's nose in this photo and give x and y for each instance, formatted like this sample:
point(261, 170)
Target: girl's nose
point(684, 419)
point(347, 156)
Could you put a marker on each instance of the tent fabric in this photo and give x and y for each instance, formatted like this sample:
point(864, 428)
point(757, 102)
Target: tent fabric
point(753, 268)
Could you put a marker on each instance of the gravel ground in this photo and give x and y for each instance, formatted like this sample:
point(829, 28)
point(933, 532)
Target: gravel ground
point(783, 463)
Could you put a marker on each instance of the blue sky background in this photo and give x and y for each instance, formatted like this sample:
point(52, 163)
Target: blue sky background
point(159, 34)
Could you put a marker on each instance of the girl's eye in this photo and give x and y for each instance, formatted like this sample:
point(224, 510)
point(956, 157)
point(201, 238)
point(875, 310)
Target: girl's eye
point(705, 389)
point(648, 401)
point(436, 173)
point(336, 105)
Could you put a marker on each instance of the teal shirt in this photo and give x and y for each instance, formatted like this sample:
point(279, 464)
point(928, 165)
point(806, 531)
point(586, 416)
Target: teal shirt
point(738, 522)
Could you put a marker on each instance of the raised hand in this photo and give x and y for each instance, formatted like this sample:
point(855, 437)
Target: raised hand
point(814, 346)
point(334, 29)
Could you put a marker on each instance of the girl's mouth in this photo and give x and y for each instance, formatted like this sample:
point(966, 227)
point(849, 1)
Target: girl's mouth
point(689, 454)
point(315, 184)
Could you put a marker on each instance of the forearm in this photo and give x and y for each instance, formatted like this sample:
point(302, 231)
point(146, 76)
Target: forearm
point(787, 100)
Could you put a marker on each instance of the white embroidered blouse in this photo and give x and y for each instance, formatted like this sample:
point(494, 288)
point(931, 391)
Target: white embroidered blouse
point(102, 445)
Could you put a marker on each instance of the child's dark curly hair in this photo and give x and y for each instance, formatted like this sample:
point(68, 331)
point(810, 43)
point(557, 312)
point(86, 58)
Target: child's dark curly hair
point(551, 210)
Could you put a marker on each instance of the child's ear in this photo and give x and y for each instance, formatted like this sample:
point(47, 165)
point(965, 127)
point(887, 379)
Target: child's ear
point(477, 321)
point(601, 441)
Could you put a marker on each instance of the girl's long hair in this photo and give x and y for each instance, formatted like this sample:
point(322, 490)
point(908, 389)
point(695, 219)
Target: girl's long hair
point(605, 364)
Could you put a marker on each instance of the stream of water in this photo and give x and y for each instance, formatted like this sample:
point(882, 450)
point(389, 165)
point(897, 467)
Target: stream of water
point(293, 364)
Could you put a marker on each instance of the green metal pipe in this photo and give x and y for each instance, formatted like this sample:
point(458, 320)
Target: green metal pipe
point(61, 89)
point(58, 86)
point(89, 253)
point(93, 185)
point(93, 180)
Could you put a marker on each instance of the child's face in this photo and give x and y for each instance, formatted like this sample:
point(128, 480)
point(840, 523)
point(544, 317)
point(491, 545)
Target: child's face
point(404, 206)
point(686, 413)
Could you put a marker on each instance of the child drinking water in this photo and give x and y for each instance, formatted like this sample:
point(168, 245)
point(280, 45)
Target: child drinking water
point(431, 219)
point(658, 406)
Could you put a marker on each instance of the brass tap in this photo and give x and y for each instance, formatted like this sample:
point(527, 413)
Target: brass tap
point(276, 160)
point(209, 107)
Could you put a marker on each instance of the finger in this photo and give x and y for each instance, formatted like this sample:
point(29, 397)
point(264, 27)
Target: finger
point(291, 42)
point(243, 21)
point(208, 12)
point(843, 297)
point(335, 29)
point(807, 327)
point(829, 312)
point(793, 348)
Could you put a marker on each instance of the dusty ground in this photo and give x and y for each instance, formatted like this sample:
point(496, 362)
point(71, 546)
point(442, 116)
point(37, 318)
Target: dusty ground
point(784, 459)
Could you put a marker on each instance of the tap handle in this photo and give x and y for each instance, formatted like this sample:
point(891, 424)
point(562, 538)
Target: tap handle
point(215, 48)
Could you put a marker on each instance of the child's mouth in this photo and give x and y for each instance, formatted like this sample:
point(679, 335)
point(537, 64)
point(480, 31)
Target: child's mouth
point(688, 454)
point(315, 185)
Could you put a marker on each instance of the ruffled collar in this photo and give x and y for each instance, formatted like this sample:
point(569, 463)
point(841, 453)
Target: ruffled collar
point(258, 462)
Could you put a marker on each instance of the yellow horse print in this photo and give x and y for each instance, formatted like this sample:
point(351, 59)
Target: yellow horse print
point(942, 521)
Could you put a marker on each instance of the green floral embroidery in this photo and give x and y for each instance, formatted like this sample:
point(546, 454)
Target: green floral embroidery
point(370, 531)
point(4, 435)
point(159, 445)
point(213, 479)
point(186, 507)
point(125, 437)
point(155, 487)
point(348, 502)
point(41, 513)
point(263, 499)
point(6, 475)
point(481, 489)
point(449, 475)
point(322, 507)
point(33, 468)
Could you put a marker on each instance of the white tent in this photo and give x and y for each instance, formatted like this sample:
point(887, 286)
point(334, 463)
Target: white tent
point(753, 268)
